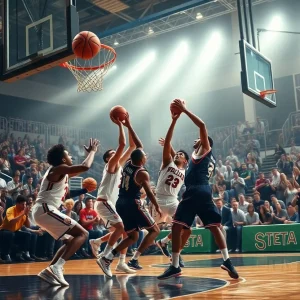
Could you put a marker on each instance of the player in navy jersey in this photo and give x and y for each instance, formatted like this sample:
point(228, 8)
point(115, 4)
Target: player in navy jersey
point(131, 208)
point(197, 199)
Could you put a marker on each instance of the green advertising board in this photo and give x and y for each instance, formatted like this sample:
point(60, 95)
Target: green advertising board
point(200, 241)
point(271, 238)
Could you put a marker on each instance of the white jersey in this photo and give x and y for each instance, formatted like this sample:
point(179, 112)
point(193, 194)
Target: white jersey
point(53, 193)
point(170, 181)
point(109, 186)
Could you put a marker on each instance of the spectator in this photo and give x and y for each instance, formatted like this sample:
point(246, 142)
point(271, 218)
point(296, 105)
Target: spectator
point(275, 201)
point(257, 202)
point(265, 216)
point(240, 128)
point(293, 216)
point(262, 185)
point(226, 215)
point(283, 184)
point(69, 204)
point(81, 200)
point(246, 175)
point(243, 204)
point(29, 186)
point(285, 165)
point(31, 172)
point(5, 166)
point(5, 202)
point(296, 177)
point(297, 163)
point(220, 167)
point(275, 179)
point(14, 186)
point(280, 215)
point(20, 160)
point(268, 207)
point(2, 183)
point(259, 126)
point(252, 217)
point(239, 220)
point(88, 217)
point(237, 185)
point(228, 174)
point(237, 168)
point(232, 158)
point(294, 151)
point(16, 217)
point(278, 151)
point(290, 192)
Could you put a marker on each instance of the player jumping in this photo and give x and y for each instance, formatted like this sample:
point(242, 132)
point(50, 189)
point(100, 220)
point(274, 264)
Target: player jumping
point(197, 200)
point(170, 181)
point(54, 188)
point(108, 195)
point(131, 209)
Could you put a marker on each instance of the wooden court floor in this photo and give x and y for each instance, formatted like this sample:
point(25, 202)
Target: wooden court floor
point(262, 276)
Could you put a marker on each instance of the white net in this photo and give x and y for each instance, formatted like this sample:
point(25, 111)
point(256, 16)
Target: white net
point(90, 73)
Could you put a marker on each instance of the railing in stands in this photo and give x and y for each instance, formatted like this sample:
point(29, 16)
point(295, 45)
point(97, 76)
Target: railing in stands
point(3, 124)
point(27, 126)
point(290, 126)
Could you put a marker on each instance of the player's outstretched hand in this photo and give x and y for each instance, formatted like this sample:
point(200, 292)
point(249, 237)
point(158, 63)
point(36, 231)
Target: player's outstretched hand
point(175, 116)
point(93, 146)
point(180, 104)
point(161, 141)
point(126, 122)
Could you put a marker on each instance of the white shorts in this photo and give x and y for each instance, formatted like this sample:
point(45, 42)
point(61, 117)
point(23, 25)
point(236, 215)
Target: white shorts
point(168, 206)
point(107, 211)
point(48, 217)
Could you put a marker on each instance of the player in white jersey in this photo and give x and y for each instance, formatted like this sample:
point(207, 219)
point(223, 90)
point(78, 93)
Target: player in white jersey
point(108, 193)
point(45, 212)
point(170, 181)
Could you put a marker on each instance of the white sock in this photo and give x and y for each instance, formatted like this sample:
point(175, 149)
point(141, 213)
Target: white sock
point(175, 259)
point(165, 240)
point(109, 256)
point(136, 255)
point(224, 253)
point(122, 258)
point(27, 253)
point(59, 263)
point(107, 249)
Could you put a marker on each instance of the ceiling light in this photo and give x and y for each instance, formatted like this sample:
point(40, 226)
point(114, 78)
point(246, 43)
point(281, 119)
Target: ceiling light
point(199, 16)
point(150, 31)
point(116, 43)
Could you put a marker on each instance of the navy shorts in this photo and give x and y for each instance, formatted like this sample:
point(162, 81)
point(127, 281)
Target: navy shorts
point(134, 215)
point(197, 200)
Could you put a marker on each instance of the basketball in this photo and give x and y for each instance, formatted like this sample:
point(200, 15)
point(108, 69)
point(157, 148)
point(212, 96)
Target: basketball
point(86, 45)
point(174, 109)
point(118, 112)
point(90, 184)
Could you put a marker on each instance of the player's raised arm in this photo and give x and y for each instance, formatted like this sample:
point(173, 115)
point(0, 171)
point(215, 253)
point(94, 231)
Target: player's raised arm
point(199, 123)
point(127, 153)
point(168, 149)
point(61, 161)
point(134, 136)
point(113, 163)
point(143, 179)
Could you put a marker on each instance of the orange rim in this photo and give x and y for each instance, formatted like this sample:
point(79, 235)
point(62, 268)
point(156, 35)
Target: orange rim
point(267, 92)
point(102, 66)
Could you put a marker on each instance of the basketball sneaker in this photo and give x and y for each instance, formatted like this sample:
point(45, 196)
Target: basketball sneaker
point(95, 248)
point(134, 264)
point(48, 278)
point(163, 247)
point(170, 272)
point(123, 267)
point(227, 266)
point(57, 274)
point(104, 264)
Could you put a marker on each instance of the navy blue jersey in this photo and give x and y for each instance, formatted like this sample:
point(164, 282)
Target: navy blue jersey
point(129, 189)
point(200, 170)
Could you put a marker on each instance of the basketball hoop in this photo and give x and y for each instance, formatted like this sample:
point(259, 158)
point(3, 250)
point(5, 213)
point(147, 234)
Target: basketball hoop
point(90, 73)
point(263, 94)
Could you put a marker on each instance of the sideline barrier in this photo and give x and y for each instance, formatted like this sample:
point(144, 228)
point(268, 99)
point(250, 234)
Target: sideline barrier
point(261, 238)
point(200, 241)
point(271, 238)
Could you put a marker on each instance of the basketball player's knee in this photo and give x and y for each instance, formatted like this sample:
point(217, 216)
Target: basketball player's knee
point(119, 227)
point(155, 230)
point(85, 234)
point(134, 236)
